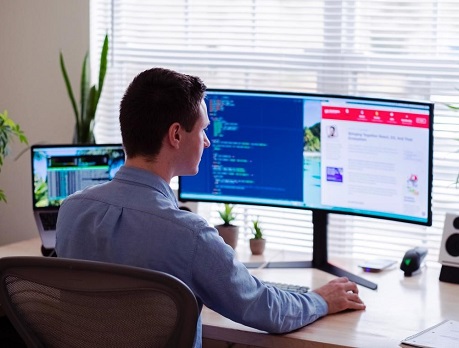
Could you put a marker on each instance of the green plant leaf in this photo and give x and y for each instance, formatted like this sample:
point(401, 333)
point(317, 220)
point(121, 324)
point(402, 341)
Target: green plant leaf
point(84, 89)
point(257, 232)
point(89, 95)
point(8, 129)
point(91, 106)
point(103, 67)
point(227, 214)
point(69, 86)
point(3, 196)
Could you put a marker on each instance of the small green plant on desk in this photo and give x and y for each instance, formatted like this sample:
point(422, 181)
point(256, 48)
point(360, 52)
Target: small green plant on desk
point(227, 214)
point(8, 130)
point(257, 243)
point(257, 233)
point(228, 231)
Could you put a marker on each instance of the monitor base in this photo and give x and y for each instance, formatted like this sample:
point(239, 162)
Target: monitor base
point(319, 255)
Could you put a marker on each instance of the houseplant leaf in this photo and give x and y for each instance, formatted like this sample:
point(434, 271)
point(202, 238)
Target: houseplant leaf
point(89, 95)
point(8, 130)
point(103, 67)
point(84, 88)
point(69, 86)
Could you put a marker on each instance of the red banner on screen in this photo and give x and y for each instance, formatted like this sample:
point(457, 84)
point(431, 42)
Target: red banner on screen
point(408, 119)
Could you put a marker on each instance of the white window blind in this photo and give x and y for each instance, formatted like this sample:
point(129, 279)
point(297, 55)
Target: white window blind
point(391, 49)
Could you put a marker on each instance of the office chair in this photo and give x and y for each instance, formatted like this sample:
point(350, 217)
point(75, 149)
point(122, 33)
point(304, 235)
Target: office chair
point(56, 302)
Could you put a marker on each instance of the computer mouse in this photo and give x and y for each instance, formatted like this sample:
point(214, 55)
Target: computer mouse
point(412, 260)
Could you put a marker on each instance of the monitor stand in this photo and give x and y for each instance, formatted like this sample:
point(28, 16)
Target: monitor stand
point(320, 254)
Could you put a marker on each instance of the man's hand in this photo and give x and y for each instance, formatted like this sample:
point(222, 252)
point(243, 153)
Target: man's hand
point(341, 294)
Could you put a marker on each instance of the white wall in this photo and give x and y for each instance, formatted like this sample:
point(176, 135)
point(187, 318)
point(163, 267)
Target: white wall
point(32, 90)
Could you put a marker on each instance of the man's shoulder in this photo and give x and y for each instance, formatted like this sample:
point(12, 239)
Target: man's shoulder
point(190, 220)
point(92, 193)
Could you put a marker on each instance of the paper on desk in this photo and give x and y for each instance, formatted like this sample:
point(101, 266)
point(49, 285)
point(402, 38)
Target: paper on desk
point(442, 335)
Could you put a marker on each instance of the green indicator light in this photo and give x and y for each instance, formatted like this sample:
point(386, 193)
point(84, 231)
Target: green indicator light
point(407, 262)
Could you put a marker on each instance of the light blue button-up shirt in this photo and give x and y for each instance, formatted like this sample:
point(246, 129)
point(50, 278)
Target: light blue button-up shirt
point(135, 220)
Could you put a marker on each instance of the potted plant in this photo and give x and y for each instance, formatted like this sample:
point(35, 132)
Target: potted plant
point(8, 129)
point(228, 231)
point(89, 97)
point(257, 243)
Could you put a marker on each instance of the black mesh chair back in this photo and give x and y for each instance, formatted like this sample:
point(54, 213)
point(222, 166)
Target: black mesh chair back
point(54, 302)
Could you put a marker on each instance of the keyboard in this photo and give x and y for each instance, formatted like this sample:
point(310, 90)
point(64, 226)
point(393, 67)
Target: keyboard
point(301, 289)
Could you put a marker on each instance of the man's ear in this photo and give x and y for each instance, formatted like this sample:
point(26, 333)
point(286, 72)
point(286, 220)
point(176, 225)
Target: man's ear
point(175, 134)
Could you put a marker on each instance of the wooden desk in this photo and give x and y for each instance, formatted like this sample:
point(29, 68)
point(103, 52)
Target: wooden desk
point(400, 307)
point(30, 247)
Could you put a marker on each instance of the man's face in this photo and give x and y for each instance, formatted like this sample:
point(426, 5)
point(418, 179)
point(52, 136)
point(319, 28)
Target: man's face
point(194, 143)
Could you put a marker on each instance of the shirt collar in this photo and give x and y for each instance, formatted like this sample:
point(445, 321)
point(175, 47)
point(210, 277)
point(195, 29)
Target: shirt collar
point(139, 176)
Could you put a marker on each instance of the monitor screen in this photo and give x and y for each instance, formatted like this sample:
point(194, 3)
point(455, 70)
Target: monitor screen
point(339, 154)
point(60, 170)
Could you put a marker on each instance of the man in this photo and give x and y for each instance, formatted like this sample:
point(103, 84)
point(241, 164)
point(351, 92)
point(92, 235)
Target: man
point(134, 219)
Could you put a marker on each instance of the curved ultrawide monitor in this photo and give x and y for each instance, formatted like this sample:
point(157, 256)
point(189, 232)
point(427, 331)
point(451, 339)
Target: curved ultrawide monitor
point(340, 154)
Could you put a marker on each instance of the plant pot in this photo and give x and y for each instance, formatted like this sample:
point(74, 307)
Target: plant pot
point(229, 233)
point(257, 246)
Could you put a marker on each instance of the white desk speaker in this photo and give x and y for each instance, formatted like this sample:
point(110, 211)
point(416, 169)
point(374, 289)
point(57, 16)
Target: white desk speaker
point(449, 250)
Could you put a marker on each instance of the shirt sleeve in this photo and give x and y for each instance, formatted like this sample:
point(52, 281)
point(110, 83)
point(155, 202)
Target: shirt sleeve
point(225, 285)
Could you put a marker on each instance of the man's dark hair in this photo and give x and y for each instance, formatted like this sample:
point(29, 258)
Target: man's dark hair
point(154, 100)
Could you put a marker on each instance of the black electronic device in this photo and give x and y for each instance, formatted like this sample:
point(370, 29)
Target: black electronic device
point(449, 250)
point(412, 261)
point(325, 153)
